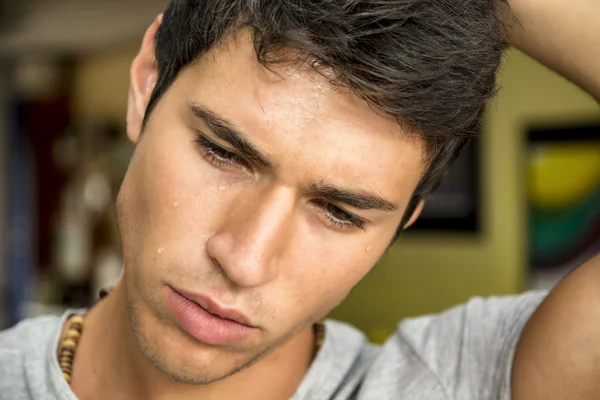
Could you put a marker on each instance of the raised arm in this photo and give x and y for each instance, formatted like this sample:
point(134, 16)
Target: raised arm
point(558, 356)
point(562, 34)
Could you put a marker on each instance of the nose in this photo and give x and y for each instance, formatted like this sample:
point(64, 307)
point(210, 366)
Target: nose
point(256, 228)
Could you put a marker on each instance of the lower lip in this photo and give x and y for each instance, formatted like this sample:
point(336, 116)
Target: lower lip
point(204, 326)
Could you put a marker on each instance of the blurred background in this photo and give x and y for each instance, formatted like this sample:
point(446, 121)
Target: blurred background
point(520, 209)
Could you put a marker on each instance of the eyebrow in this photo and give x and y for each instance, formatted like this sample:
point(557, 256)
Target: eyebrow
point(355, 198)
point(229, 133)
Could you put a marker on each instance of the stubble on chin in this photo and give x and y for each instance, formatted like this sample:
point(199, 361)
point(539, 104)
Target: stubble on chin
point(180, 371)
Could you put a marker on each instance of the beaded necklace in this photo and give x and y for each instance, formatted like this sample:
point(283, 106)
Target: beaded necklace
point(68, 345)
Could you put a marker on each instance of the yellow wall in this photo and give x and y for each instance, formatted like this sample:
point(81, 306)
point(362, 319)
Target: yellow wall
point(423, 274)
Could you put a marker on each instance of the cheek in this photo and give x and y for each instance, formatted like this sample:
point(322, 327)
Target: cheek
point(171, 197)
point(320, 274)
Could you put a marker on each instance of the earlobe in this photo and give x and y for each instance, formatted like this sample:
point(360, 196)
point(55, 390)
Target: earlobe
point(415, 214)
point(143, 75)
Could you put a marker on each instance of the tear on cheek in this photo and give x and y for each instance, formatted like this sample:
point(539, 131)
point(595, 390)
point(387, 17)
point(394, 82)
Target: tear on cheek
point(160, 250)
point(368, 248)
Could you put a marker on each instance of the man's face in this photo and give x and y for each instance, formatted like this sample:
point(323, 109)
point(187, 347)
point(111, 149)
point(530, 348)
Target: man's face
point(281, 233)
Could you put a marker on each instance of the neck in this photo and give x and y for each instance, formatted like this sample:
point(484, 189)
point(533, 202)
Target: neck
point(109, 364)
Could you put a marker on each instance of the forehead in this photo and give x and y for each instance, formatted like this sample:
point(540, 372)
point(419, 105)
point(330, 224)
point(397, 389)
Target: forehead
point(302, 119)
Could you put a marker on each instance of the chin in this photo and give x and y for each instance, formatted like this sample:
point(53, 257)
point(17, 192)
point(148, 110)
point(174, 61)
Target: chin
point(180, 357)
point(193, 363)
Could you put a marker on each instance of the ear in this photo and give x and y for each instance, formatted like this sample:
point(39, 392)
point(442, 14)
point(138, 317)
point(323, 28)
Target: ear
point(415, 214)
point(142, 77)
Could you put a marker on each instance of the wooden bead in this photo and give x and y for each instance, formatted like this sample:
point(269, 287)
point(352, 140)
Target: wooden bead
point(65, 360)
point(64, 354)
point(69, 344)
point(76, 319)
point(319, 332)
point(73, 335)
point(77, 326)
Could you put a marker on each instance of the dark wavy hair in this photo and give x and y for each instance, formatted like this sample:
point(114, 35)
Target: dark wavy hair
point(428, 64)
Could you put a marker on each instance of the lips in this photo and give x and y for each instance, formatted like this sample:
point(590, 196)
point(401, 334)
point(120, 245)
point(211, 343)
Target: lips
point(215, 309)
point(206, 320)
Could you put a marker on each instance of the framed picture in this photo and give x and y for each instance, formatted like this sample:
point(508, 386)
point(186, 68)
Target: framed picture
point(562, 200)
point(455, 205)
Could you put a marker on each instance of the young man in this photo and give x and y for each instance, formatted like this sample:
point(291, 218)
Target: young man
point(280, 148)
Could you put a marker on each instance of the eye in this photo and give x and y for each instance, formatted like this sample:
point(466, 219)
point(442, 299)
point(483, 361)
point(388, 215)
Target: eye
point(219, 156)
point(339, 218)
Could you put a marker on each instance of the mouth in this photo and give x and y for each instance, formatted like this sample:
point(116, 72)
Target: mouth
point(215, 309)
point(206, 320)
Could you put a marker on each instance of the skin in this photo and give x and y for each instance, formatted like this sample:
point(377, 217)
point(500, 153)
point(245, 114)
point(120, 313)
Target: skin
point(254, 237)
point(558, 356)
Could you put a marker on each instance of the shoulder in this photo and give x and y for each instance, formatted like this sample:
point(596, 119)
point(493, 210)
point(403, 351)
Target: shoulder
point(24, 351)
point(476, 322)
point(27, 333)
point(464, 352)
point(28, 337)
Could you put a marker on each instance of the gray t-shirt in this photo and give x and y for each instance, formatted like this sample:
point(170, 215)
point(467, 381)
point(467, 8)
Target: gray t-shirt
point(462, 354)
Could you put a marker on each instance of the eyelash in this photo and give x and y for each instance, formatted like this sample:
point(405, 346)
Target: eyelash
point(223, 158)
point(348, 220)
point(219, 156)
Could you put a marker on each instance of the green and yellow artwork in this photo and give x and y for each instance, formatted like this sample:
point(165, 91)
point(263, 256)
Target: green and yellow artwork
point(563, 181)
